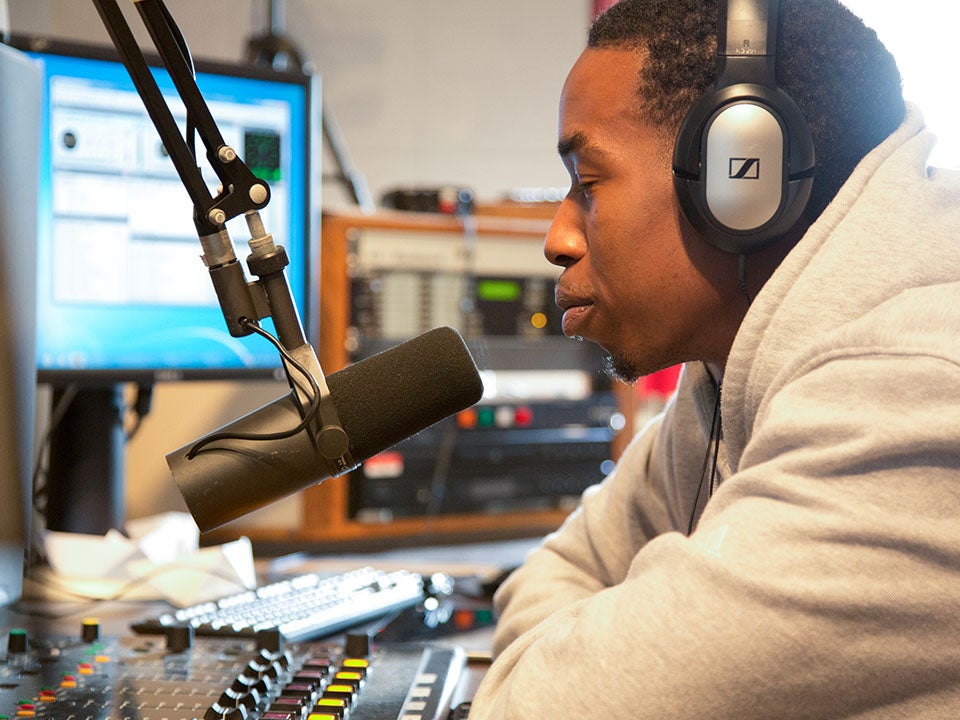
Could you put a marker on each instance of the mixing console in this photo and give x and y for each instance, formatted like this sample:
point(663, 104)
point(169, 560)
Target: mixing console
point(180, 677)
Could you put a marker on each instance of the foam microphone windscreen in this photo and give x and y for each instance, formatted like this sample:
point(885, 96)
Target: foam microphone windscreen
point(380, 401)
point(390, 396)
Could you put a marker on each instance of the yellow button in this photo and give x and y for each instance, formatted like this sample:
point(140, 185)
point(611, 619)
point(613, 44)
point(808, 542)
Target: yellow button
point(325, 703)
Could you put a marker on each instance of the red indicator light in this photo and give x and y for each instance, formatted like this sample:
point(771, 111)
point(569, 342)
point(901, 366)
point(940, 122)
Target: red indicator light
point(523, 416)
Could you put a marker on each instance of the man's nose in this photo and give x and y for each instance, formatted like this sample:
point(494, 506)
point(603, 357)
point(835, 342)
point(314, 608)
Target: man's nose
point(565, 242)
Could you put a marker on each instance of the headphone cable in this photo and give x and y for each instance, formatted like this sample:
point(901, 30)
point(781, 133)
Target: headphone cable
point(714, 440)
point(742, 277)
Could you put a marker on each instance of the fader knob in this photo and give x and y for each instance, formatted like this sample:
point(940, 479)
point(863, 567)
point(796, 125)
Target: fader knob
point(90, 630)
point(179, 638)
point(270, 639)
point(215, 712)
point(357, 645)
point(231, 698)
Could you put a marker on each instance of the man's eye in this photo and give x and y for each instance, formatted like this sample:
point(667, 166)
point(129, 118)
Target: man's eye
point(584, 187)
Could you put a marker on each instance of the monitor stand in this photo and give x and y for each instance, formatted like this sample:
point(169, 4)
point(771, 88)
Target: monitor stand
point(85, 489)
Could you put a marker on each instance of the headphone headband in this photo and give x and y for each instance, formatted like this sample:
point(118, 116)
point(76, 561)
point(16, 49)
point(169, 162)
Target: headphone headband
point(748, 28)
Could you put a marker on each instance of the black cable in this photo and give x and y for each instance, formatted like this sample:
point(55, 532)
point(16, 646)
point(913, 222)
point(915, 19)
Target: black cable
point(141, 407)
point(714, 439)
point(441, 469)
point(714, 425)
point(469, 234)
point(309, 415)
point(56, 417)
point(314, 386)
point(742, 277)
point(38, 484)
point(181, 41)
point(178, 37)
point(716, 454)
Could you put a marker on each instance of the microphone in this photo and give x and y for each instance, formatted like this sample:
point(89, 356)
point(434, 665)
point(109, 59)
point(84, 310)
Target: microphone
point(381, 400)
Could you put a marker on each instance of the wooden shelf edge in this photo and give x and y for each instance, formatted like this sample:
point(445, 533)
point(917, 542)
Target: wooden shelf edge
point(406, 530)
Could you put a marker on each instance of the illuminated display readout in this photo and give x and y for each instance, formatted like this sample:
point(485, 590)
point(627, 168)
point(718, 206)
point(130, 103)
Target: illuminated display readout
point(499, 290)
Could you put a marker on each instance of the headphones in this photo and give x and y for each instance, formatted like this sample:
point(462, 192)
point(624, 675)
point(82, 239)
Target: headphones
point(743, 162)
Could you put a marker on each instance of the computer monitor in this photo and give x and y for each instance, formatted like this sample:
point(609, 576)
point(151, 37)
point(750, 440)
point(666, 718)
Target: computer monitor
point(19, 122)
point(122, 295)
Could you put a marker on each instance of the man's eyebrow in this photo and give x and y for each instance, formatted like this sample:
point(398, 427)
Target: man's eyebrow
point(572, 143)
point(579, 143)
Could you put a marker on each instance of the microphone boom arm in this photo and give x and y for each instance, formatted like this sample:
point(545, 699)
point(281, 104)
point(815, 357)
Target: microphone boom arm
point(242, 190)
point(241, 193)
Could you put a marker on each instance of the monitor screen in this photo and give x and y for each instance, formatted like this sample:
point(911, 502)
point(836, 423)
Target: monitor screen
point(121, 291)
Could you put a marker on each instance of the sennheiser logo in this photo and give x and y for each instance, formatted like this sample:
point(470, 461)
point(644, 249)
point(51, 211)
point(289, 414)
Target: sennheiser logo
point(744, 168)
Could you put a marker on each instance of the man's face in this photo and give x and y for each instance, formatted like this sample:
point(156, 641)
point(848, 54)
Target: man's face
point(633, 278)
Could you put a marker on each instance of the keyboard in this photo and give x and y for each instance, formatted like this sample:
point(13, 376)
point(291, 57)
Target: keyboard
point(303, 607)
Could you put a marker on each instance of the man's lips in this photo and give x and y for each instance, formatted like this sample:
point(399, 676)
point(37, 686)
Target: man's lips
point(574, 309)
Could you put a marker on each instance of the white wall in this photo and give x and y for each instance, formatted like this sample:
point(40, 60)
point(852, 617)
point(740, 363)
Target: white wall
point(923, 40)
point(425, 91)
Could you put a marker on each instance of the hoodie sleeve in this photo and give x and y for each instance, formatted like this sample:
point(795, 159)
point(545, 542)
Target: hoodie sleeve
point(591, 551)
point(820, 582)
point(638, 501)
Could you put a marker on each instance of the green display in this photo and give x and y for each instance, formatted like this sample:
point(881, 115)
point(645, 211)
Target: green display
point(498, 290)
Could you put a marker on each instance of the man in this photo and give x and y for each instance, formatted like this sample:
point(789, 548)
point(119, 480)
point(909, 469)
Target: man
point(784, 541)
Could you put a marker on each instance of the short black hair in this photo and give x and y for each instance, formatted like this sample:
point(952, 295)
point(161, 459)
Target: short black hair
point(835, 68)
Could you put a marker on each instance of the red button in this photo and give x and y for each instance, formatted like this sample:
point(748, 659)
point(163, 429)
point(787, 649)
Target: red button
point(524, 416)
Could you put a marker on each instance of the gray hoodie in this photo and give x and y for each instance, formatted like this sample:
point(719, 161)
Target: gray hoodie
point(822, 579)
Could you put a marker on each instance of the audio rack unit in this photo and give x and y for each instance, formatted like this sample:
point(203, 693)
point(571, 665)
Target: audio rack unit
point(536, 441)
point(492, 459)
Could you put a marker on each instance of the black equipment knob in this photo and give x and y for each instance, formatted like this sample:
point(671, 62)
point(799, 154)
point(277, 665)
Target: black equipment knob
point(357, 645)
point(90, 630)
point(17, 642)
point(179, 638)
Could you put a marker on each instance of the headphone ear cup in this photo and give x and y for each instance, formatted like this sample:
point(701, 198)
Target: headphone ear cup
point(743, 166)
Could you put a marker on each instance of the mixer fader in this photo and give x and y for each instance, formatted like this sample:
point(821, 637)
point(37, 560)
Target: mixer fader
point(179, 677)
